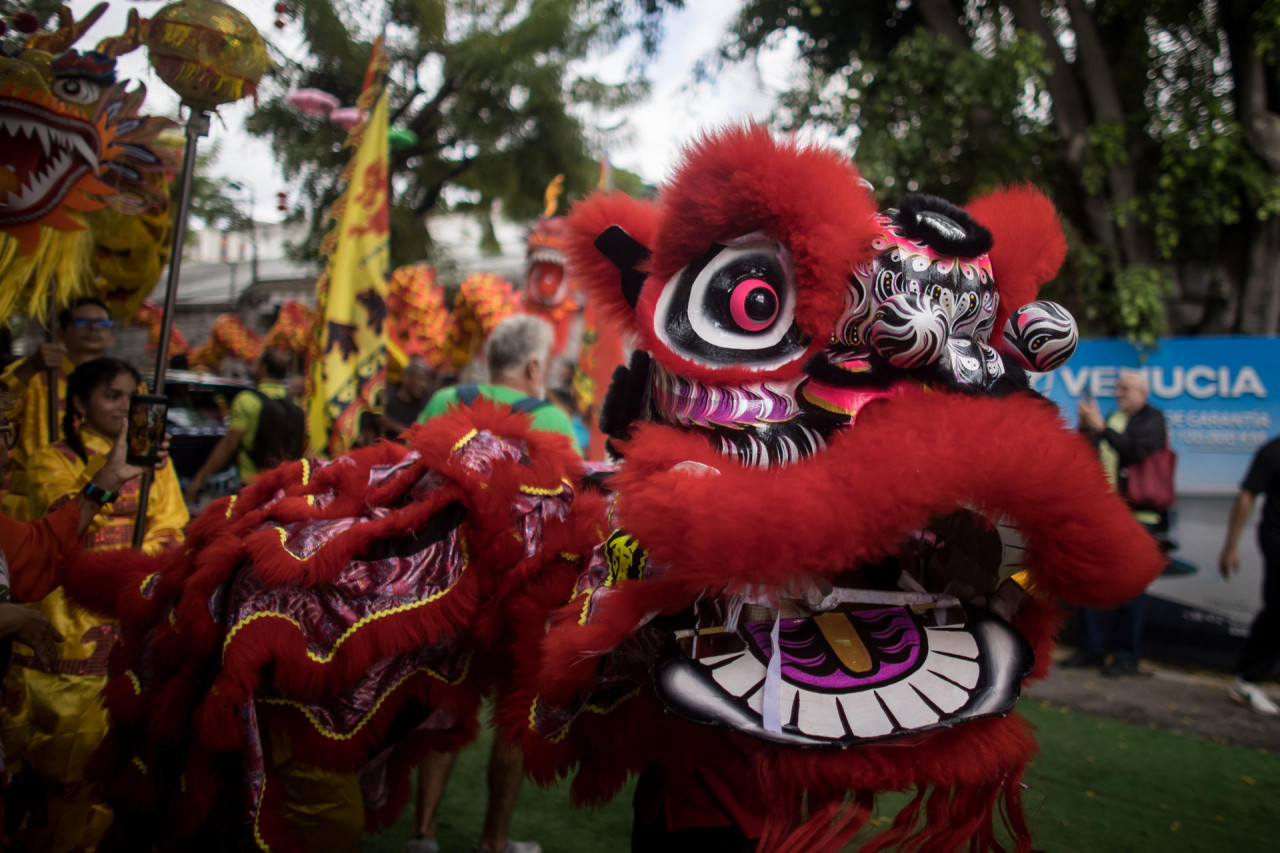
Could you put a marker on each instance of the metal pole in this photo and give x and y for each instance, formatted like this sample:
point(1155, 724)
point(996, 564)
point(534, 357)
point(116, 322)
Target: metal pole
point(197, 126)
point(51, 376)
point(253, 240)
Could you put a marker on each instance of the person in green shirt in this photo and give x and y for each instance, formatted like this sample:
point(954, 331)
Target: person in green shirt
point(518, 355)
point(269, 376)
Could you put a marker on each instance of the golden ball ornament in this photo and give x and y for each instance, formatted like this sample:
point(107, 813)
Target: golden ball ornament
point(206, 51)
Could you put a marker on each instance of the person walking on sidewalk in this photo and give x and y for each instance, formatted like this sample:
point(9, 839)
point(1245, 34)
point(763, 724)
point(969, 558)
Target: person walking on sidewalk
point(1130, 434)
point(1258, 658)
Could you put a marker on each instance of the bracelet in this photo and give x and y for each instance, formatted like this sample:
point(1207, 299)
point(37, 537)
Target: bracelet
point(98, 495)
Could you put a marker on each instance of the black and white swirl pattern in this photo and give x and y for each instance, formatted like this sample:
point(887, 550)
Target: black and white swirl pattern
point(908, 330)
point(1041, 336)
point(857, 308)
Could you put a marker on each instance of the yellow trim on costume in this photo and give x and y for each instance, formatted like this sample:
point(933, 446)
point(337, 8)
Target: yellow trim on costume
point(332, 735)
point(140, 764)
point(284, 538)
point(133, 679)
point(142, 587)
point(257, 812)
point(595, 709)
point(462, 442)
point(565, 555)
point(231, 504)
point(306, 471)
point(582, 620)
point(535, 490)
point(392, 611)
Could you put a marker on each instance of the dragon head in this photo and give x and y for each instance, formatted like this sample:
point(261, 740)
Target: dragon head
point(842, 519)
point(83, 186)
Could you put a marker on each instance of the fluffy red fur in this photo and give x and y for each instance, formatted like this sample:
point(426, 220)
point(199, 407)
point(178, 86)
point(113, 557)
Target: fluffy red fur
point(183, 718)
point(895, 470)
point(742, 179)
point(588, 220)
point(734, 182)
point(1027, 245)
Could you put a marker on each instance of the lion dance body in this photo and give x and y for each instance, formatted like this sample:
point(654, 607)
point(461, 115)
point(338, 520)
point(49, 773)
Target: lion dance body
point(829, 554)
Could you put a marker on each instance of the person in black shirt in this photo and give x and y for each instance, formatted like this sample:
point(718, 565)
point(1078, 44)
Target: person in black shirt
point(1263, 647)
point(405, 403)
point(1130, 434)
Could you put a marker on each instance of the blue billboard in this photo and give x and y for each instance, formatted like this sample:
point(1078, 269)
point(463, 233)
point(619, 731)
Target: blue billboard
point(1220, 397)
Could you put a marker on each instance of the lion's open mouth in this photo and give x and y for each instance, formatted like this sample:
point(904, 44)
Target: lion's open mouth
point(914, 643)
point(45, 154)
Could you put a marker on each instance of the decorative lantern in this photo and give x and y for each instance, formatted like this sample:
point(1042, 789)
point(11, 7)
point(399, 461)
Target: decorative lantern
point(400, 138)
point(206, 51)
point(313, 102)
point(346, 117)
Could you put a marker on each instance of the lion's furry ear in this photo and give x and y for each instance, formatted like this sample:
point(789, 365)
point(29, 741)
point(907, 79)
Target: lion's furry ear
point(1028, 245)
point(609, 240)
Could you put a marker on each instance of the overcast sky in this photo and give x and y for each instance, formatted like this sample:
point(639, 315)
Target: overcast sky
point(647, 143)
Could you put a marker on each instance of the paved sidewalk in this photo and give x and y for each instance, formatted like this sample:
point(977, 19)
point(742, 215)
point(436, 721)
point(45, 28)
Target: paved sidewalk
point(1162, 697)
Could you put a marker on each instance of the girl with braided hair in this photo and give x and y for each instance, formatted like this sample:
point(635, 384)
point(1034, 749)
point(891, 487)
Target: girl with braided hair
point(67, 716)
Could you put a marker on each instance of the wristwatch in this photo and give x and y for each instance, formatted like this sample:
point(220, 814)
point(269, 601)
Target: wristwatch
point(98, 495)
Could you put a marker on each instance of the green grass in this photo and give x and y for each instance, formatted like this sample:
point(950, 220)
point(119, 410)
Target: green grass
point(1099, 785)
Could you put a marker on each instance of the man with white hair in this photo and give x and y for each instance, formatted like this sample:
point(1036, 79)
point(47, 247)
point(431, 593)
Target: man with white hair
point(518, 355)
point(1130, 434)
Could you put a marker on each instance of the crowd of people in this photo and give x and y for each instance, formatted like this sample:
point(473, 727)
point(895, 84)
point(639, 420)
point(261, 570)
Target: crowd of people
point(71, 489)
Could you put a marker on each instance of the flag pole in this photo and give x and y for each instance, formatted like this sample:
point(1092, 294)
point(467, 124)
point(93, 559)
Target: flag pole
point(51, 375)
point(197, 126)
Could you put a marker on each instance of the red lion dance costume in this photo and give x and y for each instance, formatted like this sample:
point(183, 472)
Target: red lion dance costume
point(836, 534)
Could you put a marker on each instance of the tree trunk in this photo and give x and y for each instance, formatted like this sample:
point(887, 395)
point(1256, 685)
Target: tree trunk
point(1072, 120)
point(1260, 296)
point(941, 17)
point(1257, 90)
point(1092, 65)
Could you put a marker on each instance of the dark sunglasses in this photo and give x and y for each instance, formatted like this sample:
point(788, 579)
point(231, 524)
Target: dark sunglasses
point(82, 322)
point(9, 434)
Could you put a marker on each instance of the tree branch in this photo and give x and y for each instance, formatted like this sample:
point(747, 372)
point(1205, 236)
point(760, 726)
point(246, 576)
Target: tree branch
point(941, 17)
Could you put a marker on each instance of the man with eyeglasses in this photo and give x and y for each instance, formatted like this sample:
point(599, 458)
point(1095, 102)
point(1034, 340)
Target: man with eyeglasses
point(85, 331)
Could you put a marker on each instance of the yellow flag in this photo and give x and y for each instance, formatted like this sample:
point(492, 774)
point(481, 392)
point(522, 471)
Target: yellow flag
point(349, 351)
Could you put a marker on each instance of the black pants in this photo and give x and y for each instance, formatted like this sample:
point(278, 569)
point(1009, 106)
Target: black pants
point(1263, 647)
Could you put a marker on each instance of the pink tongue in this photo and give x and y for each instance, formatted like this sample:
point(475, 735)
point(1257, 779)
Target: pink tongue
point(841, 400)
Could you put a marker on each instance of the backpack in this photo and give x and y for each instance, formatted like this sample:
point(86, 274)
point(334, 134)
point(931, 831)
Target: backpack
point(281, 432)
point(467, 394)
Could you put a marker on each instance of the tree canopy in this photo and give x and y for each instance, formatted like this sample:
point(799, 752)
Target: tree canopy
point(489, 87)
point(1155, 127)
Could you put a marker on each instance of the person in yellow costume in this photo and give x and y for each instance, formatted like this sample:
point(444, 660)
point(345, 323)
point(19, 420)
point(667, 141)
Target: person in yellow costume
point(67, 717)
point(85, 331)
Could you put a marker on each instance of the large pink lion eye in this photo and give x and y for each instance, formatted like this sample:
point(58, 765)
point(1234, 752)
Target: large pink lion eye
point(753, 304)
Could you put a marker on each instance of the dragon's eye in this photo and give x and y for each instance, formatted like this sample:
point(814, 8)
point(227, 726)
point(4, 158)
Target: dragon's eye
point(75, 90)
point(734, 305)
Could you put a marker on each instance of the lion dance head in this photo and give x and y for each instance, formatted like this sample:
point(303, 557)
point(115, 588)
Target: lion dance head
point(842, 520)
